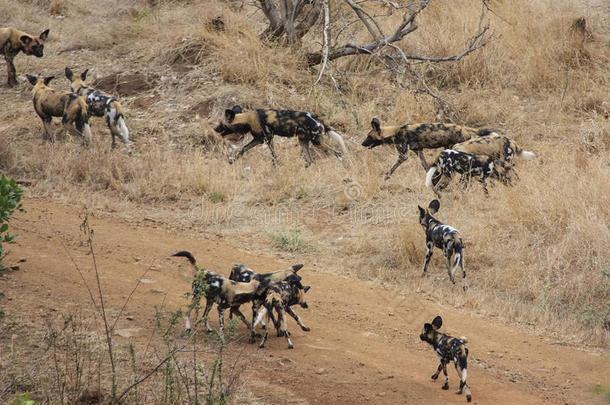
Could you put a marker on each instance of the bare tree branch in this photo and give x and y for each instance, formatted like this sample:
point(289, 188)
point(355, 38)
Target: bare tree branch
point(325, 36)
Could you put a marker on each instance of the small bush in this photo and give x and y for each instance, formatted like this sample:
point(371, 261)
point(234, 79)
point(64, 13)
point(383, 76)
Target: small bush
point(10, 197)
point(290, 241)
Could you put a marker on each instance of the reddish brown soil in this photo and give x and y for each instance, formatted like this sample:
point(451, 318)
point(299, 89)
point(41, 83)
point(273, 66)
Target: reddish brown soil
point(363, 346)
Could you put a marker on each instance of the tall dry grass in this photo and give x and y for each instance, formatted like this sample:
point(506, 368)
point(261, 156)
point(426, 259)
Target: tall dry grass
point(536, 252)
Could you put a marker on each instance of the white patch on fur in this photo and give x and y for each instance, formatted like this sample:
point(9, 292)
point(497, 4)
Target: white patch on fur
point(215, 284)
point(456, 262)
point(123, 131)
point(429, 175)
point(464, 339)
point(464, 374)
point(259, 317)
point(527, 155)
point(494, 134)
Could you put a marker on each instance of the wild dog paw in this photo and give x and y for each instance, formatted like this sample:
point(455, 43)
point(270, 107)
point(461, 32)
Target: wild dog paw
point(458, 392)
point(446, 386)
point(468, 397)
point(291, 346)
point(434, 376)
point(305, 328)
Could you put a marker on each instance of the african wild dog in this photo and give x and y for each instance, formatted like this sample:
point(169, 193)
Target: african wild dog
point(448, 349)
point(443, 237)
point(216, 288)
point(243, 273)
point(450, 161)
point(280, 296)
point(49, 103)
point(13, 41)
point(264, 124)
point(417, 137)
point(101, 105)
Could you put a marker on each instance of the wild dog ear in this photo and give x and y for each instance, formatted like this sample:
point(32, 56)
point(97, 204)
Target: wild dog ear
point(437, 323)
point(237, 109)
point(306, 288)
point(427, 327)
point(422, 211)
point(297, 267)
point(32, 79)
point(434, 206)
point(376, 125)
point(229, 115)
point(47, 80)
point(44, 35)
point(25, 39)
point(83, 75)
point(69, 73)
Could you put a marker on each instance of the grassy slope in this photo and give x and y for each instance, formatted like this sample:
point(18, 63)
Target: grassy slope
point(536, 252)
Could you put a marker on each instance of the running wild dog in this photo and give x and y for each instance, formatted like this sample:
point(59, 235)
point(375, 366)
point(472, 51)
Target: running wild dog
point(450, 161)
point(101, 104)
point(264, 124)
point(417, 137)
point(49, 103)
point(443, 237)
point(13, 41)
point(448, 349)
point(227, 294)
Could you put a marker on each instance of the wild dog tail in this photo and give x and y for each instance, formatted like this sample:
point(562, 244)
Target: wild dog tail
point(188, 255)
point(464, 339)
point(116, 120)
point(430, 175)
point(337, 138)
point(484, 132)
point(527, 155)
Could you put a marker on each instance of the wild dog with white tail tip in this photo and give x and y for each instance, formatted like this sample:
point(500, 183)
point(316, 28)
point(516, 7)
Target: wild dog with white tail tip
point(448, 349)
point(264, 124)
point(443, 237)
point(494, 146)
point(417, 137)
point(71, 107)
point(101, 105)
point(13, 41)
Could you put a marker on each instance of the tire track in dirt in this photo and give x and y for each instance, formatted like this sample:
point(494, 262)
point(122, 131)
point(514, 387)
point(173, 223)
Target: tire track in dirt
point(363, 347)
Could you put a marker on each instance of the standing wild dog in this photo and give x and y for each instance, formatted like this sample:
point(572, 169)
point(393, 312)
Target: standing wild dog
point(448, 349)
point(13, 41)
point(450, 161)
point(49, 103)
point(494, 146)
point(443, 237)
point(101, 105)
point(417, 137)
point(264, 124)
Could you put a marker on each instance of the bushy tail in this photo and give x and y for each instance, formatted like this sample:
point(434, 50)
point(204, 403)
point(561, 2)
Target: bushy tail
point(430, 175)
point(188, 255)
point(337, 138)
point(527, 155)
point(116, 120)
point(483, 132)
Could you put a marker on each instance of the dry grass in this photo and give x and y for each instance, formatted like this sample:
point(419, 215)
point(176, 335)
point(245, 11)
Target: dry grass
point(536, 252)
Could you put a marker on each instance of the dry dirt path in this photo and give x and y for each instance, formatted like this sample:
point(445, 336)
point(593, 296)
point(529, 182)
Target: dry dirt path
point(363, 346)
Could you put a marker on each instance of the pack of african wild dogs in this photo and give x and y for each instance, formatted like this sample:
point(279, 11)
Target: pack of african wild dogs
point(467, 152)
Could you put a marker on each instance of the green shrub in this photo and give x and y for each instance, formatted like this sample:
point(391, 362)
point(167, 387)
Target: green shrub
point(10, 197)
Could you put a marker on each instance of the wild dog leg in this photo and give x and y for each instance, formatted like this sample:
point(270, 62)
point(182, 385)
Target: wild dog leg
point(254, 142)
point(401, 158)
point(10, 69)
point(422, 159)
point(297, 318)
point(438, 371)
point(430, 247)
point(446, 386)
point(305, 148)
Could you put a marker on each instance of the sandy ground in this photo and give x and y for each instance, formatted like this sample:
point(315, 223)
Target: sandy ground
point(364, 344)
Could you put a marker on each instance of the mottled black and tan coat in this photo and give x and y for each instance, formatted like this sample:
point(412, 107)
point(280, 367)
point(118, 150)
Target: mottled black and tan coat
point(101, 104)
point(263, 124)
point(13, 41)
point(417, 137)
point(495, 146)
point(448, 349)
point(49, 103)
point(444, 237)
point(467, 165)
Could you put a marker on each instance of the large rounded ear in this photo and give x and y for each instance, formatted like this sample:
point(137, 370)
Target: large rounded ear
point(437, 322)
point(32, 79)
point(376, 125)
point(434, 206)
point(237, 109)
point(229, 115)
point(44, 35)
point(83, 75)
point(306, 288)
point(47, 80)
point(25, 39)
point(69, 73)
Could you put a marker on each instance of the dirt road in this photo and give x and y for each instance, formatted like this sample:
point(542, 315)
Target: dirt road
point(363, 346)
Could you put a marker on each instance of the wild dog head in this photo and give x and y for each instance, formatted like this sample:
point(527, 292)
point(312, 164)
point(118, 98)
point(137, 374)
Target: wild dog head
point(429, 333)
point(236, 122)
point(374, 137)
point(426, 214)
point(34, 45)
point(298, 289)
point(76, 82)
point(39, 81)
